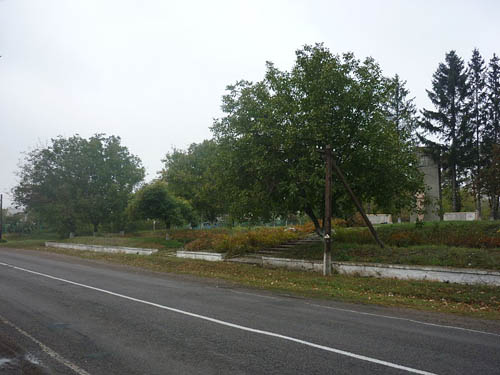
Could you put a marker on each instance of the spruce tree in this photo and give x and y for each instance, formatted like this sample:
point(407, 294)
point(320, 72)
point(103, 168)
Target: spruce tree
point(477, 107)
point(449, 120)
point(401, 109)
point(491, 134)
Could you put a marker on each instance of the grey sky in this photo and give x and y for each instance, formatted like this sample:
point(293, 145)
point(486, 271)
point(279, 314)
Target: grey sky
point(154, 72)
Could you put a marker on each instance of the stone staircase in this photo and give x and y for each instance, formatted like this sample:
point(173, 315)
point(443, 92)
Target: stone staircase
point(256, 258)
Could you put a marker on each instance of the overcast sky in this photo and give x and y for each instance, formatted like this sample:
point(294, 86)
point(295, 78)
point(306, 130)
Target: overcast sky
point(153, 72)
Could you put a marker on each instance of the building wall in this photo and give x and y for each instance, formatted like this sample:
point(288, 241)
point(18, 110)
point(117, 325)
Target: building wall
point(429, 201)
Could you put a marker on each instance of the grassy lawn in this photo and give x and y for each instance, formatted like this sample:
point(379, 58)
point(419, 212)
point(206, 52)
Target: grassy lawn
point(150, 240)
point(471, 300)
point(428, 255)
point(145, 242)
point(472, 234)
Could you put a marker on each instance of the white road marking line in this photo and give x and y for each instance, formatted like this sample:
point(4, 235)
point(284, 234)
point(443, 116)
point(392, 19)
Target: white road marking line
point(405, 319)
point(256, 295)
point(59, 358)
point(232, 325)
point(377, 315)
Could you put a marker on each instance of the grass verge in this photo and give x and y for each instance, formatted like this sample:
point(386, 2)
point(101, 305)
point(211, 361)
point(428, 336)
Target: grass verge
point(148, 240)
point(424, 255)
point(145, 242)
point(470, 300)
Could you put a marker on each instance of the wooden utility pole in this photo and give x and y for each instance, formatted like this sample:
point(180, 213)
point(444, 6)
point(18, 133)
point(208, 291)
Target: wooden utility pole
point(358, 205)
point(327, 256)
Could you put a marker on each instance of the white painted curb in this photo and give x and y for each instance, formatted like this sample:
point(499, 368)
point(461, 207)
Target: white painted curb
point(203, 255)
point(102, 249)
point(443, 274)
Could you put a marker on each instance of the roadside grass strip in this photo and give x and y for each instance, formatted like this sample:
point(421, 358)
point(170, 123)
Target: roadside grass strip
point(228, 324)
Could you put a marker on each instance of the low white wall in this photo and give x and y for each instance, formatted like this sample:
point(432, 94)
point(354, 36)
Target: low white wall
point(102, 249)
point(443, 274)
point(295, 264)
point(203, 255)
point(380, 218)
point(460, 216)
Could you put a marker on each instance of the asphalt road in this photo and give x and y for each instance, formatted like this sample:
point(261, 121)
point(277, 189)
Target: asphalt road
point(63, 315)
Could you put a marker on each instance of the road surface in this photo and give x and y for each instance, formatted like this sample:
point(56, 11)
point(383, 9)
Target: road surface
point(64, 315)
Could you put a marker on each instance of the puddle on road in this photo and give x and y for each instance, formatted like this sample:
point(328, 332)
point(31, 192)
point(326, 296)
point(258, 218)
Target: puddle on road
point(31, 358)
point(3, 361)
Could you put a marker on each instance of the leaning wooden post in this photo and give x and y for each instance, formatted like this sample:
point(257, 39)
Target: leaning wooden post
point(358, 205)
point(327, 255)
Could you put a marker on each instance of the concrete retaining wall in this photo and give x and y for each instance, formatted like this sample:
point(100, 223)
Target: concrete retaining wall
point(293, 264)
point(443, 274)
point(460, 216)
point(203, 255)
point(380, 218)
point(102, 249)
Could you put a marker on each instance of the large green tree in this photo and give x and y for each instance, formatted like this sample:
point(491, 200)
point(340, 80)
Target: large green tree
point(193, 175)
point(76, 180)
point(449, 120)
point(401, 109)
point(155, 201)
point(273, 132)
point(491, 134)
point(477, 120)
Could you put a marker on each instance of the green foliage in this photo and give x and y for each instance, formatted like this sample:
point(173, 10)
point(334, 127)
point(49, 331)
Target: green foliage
point(491, 136)
point(401, 109)
point(273, 131)
point(491, 180)
point(76, 181)
point(477, 115)
point(155, 201)
point(192, 175)
point(449, 120)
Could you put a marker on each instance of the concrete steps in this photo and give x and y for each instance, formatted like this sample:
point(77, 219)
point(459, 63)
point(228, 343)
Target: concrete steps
point(283, 248)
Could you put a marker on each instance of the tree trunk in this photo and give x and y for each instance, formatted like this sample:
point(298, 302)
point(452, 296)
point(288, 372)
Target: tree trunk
point(495, 203)
point(440, 190)
point(96, 225)
point(478, 182)
point(167, 227)
point(478, 204)
point(454, 200)
point(309, 211)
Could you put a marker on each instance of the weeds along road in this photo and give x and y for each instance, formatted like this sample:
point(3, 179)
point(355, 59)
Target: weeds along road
point(63, 315)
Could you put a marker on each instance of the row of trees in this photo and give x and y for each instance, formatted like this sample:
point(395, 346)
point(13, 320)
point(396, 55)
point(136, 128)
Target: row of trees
point(265, 159)
point(76, 182)
point(466, 121)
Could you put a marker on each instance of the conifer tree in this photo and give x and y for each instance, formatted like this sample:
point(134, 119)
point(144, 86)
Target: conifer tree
point(401, 109)
point(477, 107)
point(491, 134)
point(449, 120)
